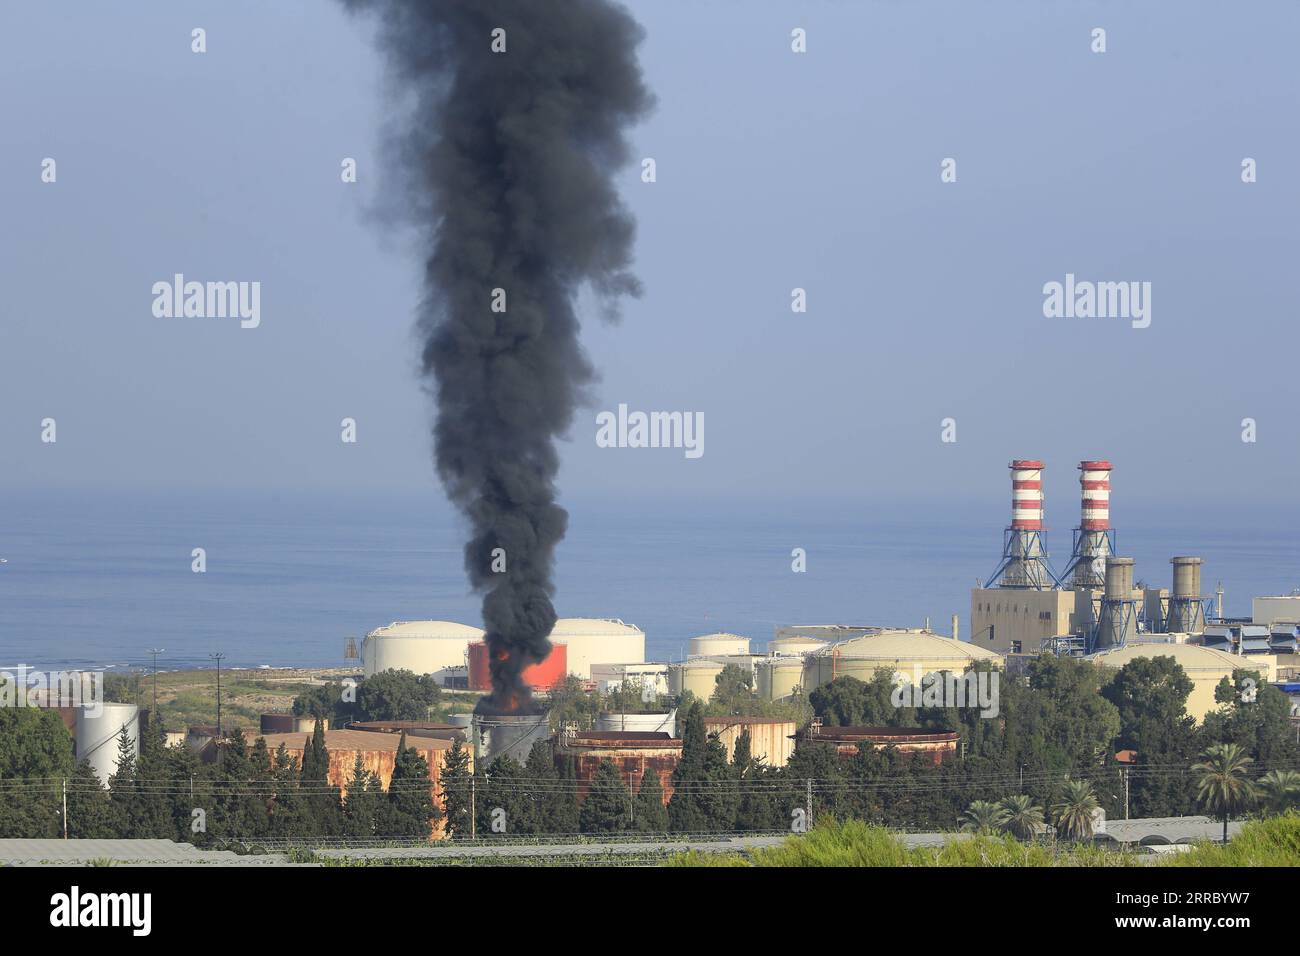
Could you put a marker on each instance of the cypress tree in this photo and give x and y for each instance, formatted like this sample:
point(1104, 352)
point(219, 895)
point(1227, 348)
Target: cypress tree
point(651, 812)
point(606, 808)
point(455, 779)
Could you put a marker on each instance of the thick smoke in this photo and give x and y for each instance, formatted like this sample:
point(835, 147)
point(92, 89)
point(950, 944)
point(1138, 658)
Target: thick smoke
point(508, 157)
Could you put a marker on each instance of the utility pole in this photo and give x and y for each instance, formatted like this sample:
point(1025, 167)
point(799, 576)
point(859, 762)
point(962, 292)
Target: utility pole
point(155, 651)
point(1124, 773)
point(65, 808)
point(218, 658)
point(808, 800)
point(473, 814)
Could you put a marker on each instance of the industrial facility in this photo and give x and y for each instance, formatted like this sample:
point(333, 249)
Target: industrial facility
point(443, 648)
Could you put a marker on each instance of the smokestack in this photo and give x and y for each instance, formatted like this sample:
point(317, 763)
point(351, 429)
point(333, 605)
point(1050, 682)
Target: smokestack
point(1094, 540)
point(956, 622)
point(516, 127)
point(1024, 560)
point(1118, 609)
point(1186, 612)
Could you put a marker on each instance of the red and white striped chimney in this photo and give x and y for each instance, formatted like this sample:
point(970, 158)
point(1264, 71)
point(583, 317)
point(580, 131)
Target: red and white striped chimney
point(1026, 495)
point(1094, 482)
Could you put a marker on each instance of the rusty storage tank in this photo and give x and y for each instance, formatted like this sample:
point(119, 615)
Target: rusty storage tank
point(508, 735)
point(540, 676)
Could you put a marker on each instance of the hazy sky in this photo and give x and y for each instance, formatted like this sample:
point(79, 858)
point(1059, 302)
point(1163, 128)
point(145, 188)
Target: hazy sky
point(776, 170)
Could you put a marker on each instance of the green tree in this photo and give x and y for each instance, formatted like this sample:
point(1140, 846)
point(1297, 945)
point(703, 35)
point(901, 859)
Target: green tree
point(397, 695)
point(1222, 785)
point(607, 806)
point(704, 790)
point(1024, 817)
point(456, 780)
point(849, 702)
point(733, 688)
point(1280, 789)
point(984, 817)
point(91, 813)
point(650, 813)
point(1075, 810)
point(411, 810)
point(362, 801)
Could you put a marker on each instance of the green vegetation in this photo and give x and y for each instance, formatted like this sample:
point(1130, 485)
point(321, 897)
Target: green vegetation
point(1271, 842)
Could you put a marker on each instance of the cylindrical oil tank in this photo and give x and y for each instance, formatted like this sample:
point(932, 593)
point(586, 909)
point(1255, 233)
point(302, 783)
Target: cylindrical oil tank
point(712, 645)
point(700, 677)
point(794, 645)
point(639, 723)
point(290, 724)
point(777, 677)
point(461, 720)
point(598, 641)
point(97, 735)
point(540, 676)
point(424, 647)
point(510, 736)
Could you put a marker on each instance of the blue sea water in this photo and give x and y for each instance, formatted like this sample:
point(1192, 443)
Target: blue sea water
point(97, 580)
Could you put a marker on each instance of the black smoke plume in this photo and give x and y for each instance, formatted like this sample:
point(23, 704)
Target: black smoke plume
point(508, 160)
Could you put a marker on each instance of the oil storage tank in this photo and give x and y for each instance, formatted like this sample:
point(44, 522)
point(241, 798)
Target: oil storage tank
point(700, 677)
point(424, 647)
point(717, 645)
point(97, 735)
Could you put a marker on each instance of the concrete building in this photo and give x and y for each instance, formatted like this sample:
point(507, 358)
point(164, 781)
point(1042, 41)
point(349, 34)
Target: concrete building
point(633, 753)
point(1205, 666)
point(1283, 609)
point(1018, 620)
point(771, 739)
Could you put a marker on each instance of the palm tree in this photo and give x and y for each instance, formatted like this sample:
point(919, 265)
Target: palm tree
point(1223, 786)
point(1280, 789)
point(1023, 817)
point(1076, 809)
point(984, 817)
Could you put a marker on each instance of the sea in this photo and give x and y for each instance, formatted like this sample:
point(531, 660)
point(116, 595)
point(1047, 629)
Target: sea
point(97, 580)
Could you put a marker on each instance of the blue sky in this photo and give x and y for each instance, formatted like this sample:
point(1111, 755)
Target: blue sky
point(775, 171)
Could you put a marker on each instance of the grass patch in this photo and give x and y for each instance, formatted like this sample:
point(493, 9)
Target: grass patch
point(1272, 841)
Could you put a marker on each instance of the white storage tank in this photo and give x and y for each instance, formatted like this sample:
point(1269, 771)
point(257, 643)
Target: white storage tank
point(423, 647)
point(591, 640)
point(97, 735)
point(713, 645)
point(777, 677)
point(700, 677)
point(639, 723)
